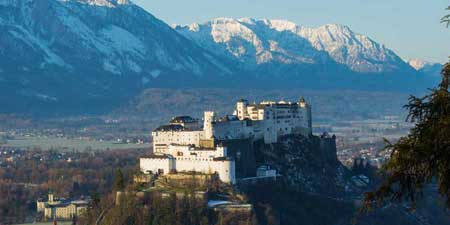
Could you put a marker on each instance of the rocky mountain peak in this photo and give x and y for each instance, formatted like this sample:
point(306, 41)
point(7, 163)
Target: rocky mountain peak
point(262, 41)
point(418, 64)
point(104, 3)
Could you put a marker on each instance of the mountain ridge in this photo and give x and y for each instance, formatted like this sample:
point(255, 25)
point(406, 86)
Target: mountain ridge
point(66, 55)
point(358, 52)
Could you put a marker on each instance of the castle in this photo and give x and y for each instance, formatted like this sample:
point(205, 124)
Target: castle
point(185, 145)
point(55, 208)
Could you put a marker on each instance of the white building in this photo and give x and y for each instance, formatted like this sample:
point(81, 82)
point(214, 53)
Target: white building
point(187, 158)
point(267, 120)
point(55, 208)
point(270, 119)
point(184, 145)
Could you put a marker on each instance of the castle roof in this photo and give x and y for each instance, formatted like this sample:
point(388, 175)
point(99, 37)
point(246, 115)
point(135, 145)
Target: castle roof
point(229, 118)
point(183, 119)
point(170, 127)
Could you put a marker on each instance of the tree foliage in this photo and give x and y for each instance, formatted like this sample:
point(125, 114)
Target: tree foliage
point(119, 181)
point(446, 19)
point(422, 157)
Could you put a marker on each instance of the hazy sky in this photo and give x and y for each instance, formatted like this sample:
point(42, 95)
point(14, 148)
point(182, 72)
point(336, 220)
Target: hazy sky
point(409, 27)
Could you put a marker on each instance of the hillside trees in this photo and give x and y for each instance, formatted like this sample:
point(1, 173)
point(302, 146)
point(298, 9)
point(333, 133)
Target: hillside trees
point(422, 157)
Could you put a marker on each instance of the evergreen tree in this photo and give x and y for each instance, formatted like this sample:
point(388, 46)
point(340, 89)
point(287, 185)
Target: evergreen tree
point(119, 181)
point(95, 199)
point(446, 19)
point(422, 157)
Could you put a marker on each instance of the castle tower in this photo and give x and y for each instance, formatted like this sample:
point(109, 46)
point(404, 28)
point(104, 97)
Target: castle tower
point(50, 198)
point(241, 109)
point(209, 117)
point(303, 104)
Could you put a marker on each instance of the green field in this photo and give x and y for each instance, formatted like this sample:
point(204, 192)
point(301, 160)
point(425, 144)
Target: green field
point(64, 144)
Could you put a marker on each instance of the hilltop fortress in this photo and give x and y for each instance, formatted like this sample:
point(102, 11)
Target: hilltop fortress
point(185, 145)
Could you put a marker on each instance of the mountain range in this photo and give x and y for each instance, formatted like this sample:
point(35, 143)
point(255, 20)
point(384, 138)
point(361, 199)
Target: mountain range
point(257, 42)
point(74, 55)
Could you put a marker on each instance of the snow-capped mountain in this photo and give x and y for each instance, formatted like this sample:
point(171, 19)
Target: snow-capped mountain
point(96, 37)
point(67, 50)
point(418, 64)
point(71, 55)
point(256, 42)
point(428, 68)
point(252, 43)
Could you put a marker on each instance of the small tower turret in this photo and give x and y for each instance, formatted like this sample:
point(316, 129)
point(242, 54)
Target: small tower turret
point(241, 109)
point(302, 103)
point(209, 117)
point(51, 198)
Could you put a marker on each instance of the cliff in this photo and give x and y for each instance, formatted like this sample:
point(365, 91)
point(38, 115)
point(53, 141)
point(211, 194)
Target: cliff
point(308, 164)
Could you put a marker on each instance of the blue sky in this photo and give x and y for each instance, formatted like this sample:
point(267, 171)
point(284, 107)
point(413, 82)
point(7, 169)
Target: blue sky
point(409, 27)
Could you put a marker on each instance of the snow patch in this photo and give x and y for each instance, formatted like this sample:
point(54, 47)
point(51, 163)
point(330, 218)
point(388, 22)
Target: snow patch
point(281, 25)
point(177, 67)
point(418, 63)
point(134, 66)
point(109, 67)
point(79, 28)
point(122, 40)
point(35, 43)
point(195, 27)
point(155, 73)
point(248, 20)
point(8, 2)
point(145, 80)
point(46, 98)
point(103, 3)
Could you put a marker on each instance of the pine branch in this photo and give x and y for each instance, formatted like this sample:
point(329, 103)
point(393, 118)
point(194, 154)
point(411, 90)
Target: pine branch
point(446, 19)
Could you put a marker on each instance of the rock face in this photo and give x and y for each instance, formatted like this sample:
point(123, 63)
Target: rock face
point(256, 43)
point(244, 154)
point(306, 164)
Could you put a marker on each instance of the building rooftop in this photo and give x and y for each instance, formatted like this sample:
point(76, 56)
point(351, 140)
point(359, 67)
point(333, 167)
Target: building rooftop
point(155, 156)
point(170, 127)
point(80, 202)
point(183, 119)
point(62, 204)
point(228, 118)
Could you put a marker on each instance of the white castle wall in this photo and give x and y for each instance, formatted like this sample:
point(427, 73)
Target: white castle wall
point(184, 158)
point(190, 152)
point(224, 168)
point(235, 129)
point(276, 119)
point(156, 165)
point(162, 139)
